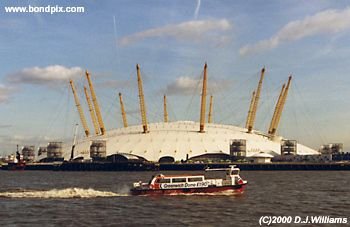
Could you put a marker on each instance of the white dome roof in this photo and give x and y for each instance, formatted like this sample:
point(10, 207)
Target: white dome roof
point(262, 155)
point(180, 140)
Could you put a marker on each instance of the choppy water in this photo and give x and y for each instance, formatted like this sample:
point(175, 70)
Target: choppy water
point(32, 198)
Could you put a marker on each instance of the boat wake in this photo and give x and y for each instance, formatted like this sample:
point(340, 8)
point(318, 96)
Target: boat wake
point(66, 193)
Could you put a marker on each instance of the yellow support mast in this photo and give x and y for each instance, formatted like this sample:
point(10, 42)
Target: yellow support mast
point(210, 114)
point(255, 103)
point(165, 111)
point(125, 121)
point(250, 110)
point(203, 101)
point(80, 110)
point(142, 100)
point(280, 109)
point(278, 104)
point(92, 112)
point(96, 106)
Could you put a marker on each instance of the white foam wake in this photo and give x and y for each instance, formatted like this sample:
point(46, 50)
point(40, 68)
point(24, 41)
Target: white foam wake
point(61, 193)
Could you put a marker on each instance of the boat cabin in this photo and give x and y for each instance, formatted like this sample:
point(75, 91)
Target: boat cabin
point(177, 181)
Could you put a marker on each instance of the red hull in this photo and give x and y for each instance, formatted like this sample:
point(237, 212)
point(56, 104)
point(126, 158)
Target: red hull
point(234, 188)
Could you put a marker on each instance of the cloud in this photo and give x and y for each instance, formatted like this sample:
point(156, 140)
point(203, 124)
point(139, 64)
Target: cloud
point(44, 76)
point(325, 22)
point(4, 93)
point(193, 31)
point(189, 86)
point(184, 86)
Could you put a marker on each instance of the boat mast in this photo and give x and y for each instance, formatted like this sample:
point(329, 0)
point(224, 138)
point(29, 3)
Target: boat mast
point(92, 112)
point(80, 110)
point(210, 114)
point(256, 101)
point(280, 109)
point(18, 155)
point(250, 110)
point(125, 121)
point(203, 101)
point(142, 100)
point(165, 110)
point(95, 102)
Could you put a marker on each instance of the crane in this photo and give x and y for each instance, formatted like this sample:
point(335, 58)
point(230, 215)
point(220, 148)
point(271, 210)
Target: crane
point(92, 112)
point(210, 114)
point(203, 100)
point(165, 110)
point(125, 121)
point(256, 101)
point(250, 110)
point(95, 102)
point(142, 100)
point(80, 109)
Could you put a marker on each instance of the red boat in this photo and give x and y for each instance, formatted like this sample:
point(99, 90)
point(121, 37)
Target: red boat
point(17, 164)
point(179, 184)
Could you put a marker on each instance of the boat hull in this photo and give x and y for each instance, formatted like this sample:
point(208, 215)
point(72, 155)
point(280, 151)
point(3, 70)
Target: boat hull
point(234, 188)
point(14, 166)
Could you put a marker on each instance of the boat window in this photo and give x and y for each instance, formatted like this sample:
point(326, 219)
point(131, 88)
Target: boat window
point(194, 179)
point(235, 172)
point(179, 180)
point(164, 180)
point(157, 181)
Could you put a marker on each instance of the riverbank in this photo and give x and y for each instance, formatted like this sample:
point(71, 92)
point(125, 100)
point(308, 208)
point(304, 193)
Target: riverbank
point(149, 166)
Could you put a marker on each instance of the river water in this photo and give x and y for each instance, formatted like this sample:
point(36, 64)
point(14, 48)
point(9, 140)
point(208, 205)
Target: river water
point(47, 198)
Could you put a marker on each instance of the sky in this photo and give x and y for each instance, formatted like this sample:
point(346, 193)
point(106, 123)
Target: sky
point(172, 40)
